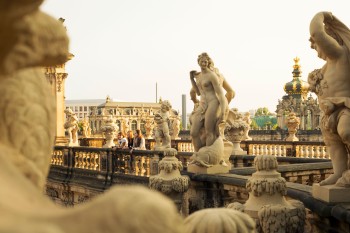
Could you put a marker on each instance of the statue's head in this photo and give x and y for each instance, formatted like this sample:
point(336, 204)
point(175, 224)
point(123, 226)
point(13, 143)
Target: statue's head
point(206, 56)
point(166, 105)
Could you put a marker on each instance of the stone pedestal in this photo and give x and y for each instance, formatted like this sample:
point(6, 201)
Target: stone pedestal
point(61, 141)
point(331, 193)
point(215, 169)
point(267, 203)
point(169, 181)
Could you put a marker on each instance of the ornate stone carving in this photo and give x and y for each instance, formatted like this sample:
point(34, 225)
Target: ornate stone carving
point(209, 112)
point(109, 129)
point(219, 220)
point(32, 39)
point(175, 128)
point(59, 80)
point(236, 130)
point(292, 123)
point(86, 128)
point(162, 130)
point(169, 180)
point(266, 202)
point(72, 127)
point(331, 39)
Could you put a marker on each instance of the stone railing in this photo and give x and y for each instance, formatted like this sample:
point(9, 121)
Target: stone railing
point(69, 185)
point(308, 149)
point(145, 162)
point(301, 149)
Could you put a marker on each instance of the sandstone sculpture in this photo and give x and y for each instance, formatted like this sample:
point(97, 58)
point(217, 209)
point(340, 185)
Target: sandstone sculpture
point(109, 130)
point(86, 128)
point(219, 220)
point(331, 39)
point(210, 110)
point(292, 123)
point(236, 131)
point(175, 127)
point(31, 39)
point(162, 132)
point(267, 203)
point(72, 127)
point(169, 180)
point(247, 119)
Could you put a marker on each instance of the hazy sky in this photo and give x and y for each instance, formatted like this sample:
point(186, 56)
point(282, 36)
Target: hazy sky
point(123, 48)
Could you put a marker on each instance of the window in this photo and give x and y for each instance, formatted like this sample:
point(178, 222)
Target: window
point(134, 125)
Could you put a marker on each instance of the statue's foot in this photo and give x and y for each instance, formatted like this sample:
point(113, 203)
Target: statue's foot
point(332, 179)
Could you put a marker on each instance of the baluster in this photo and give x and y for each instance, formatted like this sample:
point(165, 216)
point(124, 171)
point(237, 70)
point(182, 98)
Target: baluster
point(257, 149)
point(253, 151)
point(273, 150)
point(264, 149)
point(80, 158)
point(325, 152)
point(268, 150)
point(84, 160)
point(142, 164)
point(87, 160)
point(284, 151)
point(297, 151)
point(137, 165)
point(317, 148)
point(312, 152)
point(307, 151)
point(278, 151)
point(61, 158)
point(302, 154)
point(148, 167)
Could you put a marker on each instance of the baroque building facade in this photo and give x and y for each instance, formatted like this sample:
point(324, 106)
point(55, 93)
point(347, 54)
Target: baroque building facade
point(127, 116)
point(297, 100)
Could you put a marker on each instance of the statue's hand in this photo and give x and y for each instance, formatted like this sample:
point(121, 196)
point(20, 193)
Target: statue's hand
point(193, 73)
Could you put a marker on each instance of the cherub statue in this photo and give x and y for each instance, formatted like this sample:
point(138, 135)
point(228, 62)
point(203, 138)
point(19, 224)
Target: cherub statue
point(247, 119)
point(72, 127)
point(161, 118)
point(86, 128)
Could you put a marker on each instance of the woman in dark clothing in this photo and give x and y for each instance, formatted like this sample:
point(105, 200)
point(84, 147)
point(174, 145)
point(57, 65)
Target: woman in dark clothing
point(130, 137)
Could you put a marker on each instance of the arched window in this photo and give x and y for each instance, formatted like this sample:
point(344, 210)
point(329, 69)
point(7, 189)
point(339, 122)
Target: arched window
point(133, 125)
point(142, 127)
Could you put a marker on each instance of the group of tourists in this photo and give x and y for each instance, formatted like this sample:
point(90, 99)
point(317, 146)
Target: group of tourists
point(133, 140)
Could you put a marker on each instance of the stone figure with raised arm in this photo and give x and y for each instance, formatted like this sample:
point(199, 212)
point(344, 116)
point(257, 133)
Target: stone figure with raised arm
point(212, 107)
point(210, 110)
point(331, 39)
point(72, 127)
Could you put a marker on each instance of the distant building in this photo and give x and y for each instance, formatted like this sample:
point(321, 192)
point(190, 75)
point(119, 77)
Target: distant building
point(82, 107)
point(296, 100)
point(127, 115)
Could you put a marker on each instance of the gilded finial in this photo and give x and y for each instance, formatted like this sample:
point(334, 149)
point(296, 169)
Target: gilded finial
point(296, 61)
